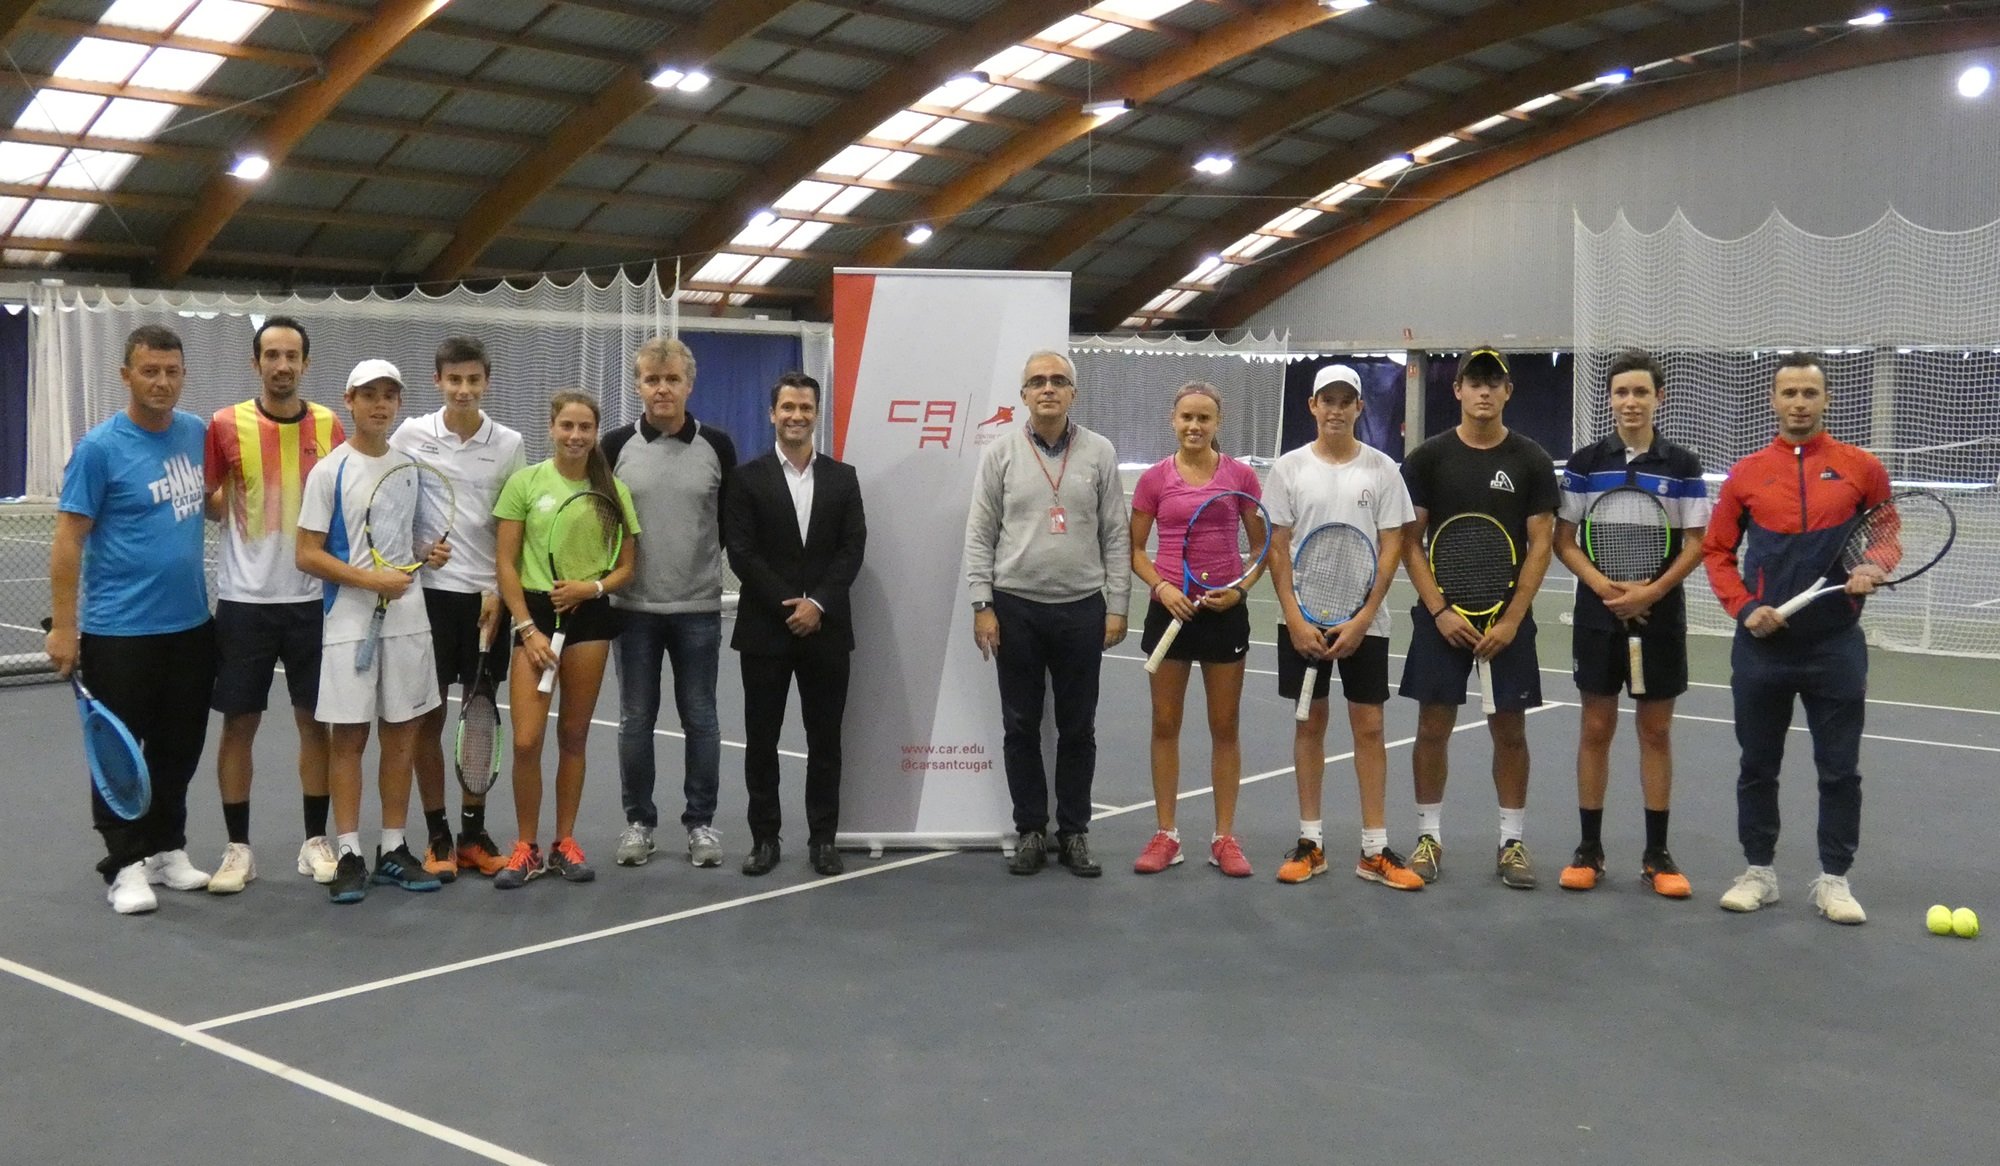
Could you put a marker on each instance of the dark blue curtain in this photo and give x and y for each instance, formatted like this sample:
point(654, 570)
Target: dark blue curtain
point(13, 403)
point(734, 373)
point(1540, 407)
point(1382, 391)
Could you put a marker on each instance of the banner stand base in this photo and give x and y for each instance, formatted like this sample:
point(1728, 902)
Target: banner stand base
point(877, 842)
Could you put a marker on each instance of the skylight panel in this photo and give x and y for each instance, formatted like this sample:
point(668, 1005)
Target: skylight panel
point(853, 161)
point(181, 70)
point(890, 167)
point(132, 119)
point(939, 131)
point(806, 196)
point(1100, 36)
point(766, 268)
point(225, 20)
point(764, 234)
point(723, 268)
point(903, 127)
point(92, 170)
point(27, 164)
point(97, 59)
point(845, 202)
point(1065, 30)
point(58, 112)
point(150, 15)
point(48, 218)
point(805, 235)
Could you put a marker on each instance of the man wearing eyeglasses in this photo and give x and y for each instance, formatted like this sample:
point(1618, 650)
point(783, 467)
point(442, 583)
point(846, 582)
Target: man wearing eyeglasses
point(1046, 557)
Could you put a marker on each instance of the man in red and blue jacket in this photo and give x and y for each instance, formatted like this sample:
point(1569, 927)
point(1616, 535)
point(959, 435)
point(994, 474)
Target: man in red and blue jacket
point(1778, 524)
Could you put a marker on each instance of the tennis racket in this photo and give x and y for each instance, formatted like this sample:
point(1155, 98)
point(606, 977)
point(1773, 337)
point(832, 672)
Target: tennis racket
point(584, 538)
point(409, 514)
point(1473, 559)
point(1902, 537)
point(117, 767)
point(1332, 573)
point(1216, 524)
point(476, 746)
point(1626, 536)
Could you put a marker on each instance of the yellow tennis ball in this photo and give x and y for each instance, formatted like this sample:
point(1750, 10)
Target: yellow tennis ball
point(1965, 923)
point(1938, 919)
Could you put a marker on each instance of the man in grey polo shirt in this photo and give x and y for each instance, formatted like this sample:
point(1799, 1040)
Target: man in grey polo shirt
point(674, 466)
point(1048, 561)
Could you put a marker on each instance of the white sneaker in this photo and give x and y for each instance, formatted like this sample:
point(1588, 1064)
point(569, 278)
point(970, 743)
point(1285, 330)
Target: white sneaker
point(1832, 898)
point(317, 859)
point(130, 893)
point(238, 869)
point(704, 846)
point(171, 868)
point(1755, 887)
point(635, 845)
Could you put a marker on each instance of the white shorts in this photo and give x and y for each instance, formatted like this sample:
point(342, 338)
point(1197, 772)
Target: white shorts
point(400, 687)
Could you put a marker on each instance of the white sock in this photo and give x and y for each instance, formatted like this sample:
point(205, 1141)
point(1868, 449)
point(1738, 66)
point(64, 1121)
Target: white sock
point(1513, 824)
point(1430, 820)
point(1312, 831)
point(391, 839)
point(1173, 834)
point(1374, 842)
point(350, 843)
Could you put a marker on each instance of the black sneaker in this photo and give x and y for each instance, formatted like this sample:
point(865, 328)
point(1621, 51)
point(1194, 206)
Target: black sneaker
point(350, 880)
point(1073, 851)
point(401, 868)
point(1031, 853)
point(825, 858)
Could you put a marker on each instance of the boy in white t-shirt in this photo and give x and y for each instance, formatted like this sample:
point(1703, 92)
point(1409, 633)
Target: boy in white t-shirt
point(1338, 479)
point(400, 686)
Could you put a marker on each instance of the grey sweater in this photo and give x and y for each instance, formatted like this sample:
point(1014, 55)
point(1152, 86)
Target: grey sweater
point(676, 484)
point(1008, 544)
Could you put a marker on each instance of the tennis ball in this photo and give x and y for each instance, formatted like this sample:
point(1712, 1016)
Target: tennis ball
point(1938, 919)
point(1965, 923)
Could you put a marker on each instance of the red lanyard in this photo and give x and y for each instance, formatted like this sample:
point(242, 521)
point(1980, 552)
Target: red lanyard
point(1055, 483)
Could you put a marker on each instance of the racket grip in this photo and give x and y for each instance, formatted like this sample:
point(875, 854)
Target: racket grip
point(1635, 666)
point(1160, 649)
point(1306, 686)
point(1792, 605)
point(548, 681)
point(364, 653)
point(1485, 670)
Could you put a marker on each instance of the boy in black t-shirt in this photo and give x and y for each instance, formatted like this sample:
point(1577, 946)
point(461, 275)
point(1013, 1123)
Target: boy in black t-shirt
point(1479, 467)
point(1634, 454)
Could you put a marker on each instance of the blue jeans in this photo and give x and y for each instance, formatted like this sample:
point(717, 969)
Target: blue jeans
point(692, 642)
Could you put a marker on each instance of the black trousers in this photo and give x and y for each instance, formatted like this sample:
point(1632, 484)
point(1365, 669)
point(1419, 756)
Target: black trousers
point(160, 687)
point(1043, 646)
point(767, 685)
point(1829, 676)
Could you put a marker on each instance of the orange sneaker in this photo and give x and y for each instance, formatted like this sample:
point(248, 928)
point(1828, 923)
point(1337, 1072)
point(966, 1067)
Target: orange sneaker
point(477, 852)
point(1584, 870)
point(1389, 869)
point(1658, 869)
point(1303, 862)
point(440, 861)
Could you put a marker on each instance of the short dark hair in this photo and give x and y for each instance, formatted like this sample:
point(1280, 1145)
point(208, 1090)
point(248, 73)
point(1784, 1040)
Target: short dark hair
point(157, 337)
point(795, 380)
point(1637, 360)
point(257, 340)
point(1801, 360)
point(459, 350)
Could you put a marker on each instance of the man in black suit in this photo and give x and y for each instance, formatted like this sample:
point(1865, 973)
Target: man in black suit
point(794, 531)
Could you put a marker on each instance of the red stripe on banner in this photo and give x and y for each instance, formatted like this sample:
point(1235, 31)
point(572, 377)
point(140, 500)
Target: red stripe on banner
point(853, 296)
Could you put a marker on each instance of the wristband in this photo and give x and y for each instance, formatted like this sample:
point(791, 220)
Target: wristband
point(600, 587)
point(1439, 613)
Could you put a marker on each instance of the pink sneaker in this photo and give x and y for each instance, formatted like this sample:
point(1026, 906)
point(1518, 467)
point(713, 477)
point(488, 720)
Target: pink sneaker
point(1161, 852)
point(1226, 853)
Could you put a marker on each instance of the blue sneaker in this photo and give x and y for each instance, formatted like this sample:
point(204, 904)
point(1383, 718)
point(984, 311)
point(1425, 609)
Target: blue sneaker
point(350, 880)
point(403, 869)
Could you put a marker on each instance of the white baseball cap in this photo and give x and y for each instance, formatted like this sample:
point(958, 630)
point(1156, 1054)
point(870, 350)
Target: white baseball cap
point(374, 370)
point(1336, 374)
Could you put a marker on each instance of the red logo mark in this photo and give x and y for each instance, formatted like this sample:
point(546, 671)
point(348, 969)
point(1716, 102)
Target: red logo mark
point(935, 420)
point(1004, 415)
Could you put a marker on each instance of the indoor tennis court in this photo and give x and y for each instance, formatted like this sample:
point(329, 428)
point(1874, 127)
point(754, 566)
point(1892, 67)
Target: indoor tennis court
point(1241, 193)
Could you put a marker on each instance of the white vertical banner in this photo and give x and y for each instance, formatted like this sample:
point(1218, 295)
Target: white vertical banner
point(927, 373)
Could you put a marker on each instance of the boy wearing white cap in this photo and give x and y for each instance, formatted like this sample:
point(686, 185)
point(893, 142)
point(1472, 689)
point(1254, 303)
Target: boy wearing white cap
point(1338, 479)
point(400, 685)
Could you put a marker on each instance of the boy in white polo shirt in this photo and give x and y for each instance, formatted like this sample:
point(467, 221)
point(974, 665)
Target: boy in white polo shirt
point(400, 685)
point(461, 598)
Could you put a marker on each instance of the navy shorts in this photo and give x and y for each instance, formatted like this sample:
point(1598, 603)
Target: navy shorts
point(1364, 676)
point(1211, 637)
point(454, 619)
point(1599, 663)
point(585, 623)
point(1435, 671)
point(251, 638)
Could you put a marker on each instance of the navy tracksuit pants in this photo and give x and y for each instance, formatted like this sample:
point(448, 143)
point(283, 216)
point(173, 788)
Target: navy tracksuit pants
point(1829, 675)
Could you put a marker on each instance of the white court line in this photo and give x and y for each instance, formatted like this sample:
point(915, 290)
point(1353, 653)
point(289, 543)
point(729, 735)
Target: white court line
point(567, 941)
point(283, 1072)
point(18, 628)
point(1904, 704)
point(1271, 773)
point(1865, 736)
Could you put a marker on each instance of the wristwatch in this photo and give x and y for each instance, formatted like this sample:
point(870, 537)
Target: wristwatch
point(983, 605)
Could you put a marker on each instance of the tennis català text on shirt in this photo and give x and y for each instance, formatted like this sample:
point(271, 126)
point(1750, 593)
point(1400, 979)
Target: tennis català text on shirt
point(181, 486)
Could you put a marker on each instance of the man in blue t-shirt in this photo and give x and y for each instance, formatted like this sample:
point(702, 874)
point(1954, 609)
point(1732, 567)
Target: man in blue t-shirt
point(129, 527)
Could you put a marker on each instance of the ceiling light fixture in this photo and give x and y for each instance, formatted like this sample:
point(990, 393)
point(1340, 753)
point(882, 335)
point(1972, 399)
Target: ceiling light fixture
point(919, 235)
point(1214, 164)
point(1614, 77)
point(251, 167)
point(684, 80)
point(1870, 19)
point(1974, 82)
point(763, 218)
point(1107, 109)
